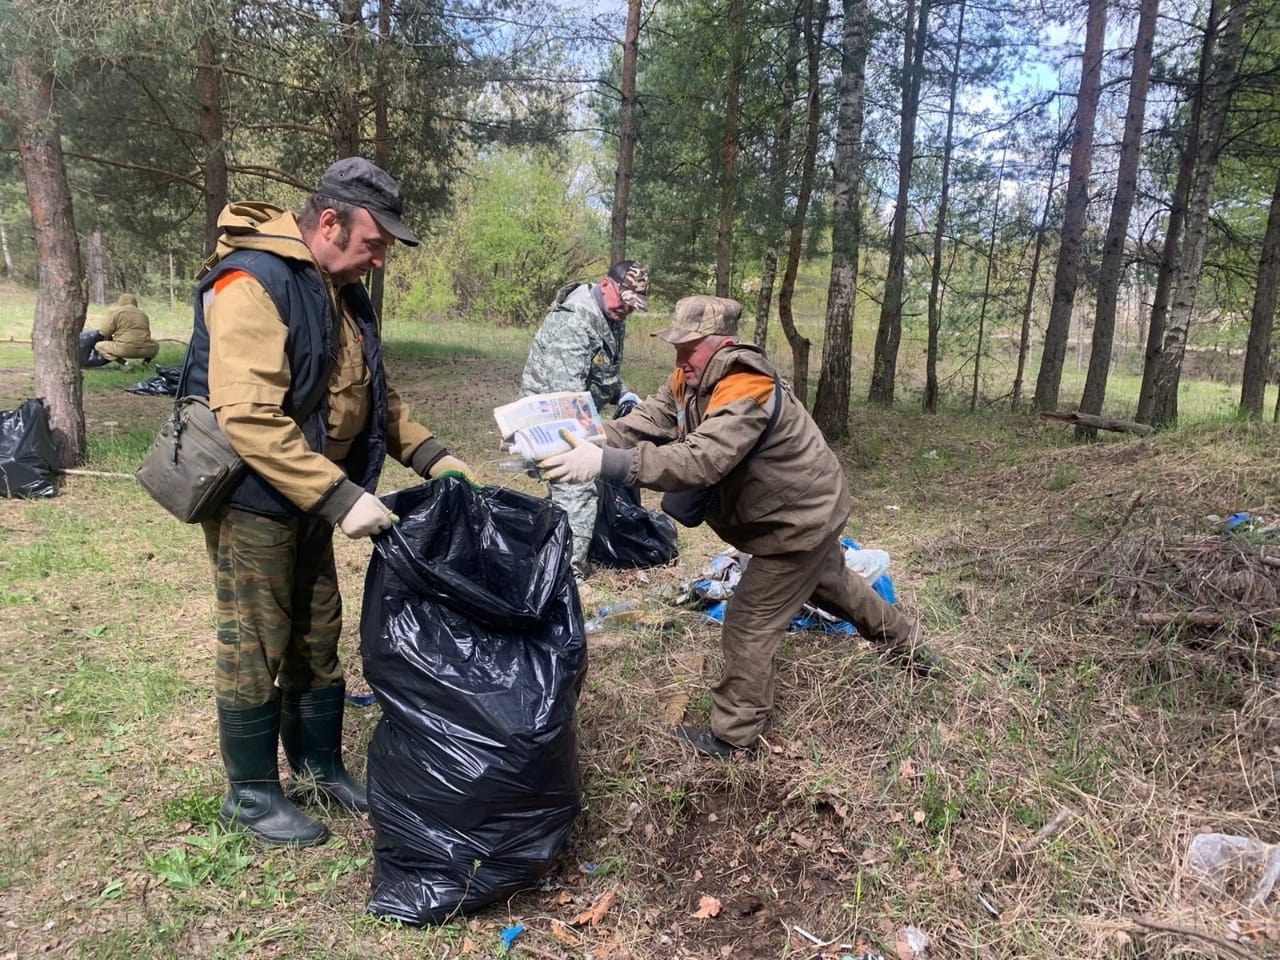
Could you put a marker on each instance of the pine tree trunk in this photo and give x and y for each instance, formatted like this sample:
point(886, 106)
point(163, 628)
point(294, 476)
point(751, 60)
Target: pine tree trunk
point(346, 119)
point(1024, 336)
point(935, 272)
point(97, 270)
point(1221, 79)
point(1104, 321)
point(4, 247)
point(1070, 245)
point(779, 166)
point(381, 135)
point(1173, 232)
point(60, 304)
point(814, 27)
point(884, 365)
point(729, 153)
point(986, 286)
point(831, 405)
point(209, 99)
point(1258, 352)
point(628, 131)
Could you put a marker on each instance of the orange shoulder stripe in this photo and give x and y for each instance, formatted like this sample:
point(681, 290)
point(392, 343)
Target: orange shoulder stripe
point(228, 278)
point(738, 385)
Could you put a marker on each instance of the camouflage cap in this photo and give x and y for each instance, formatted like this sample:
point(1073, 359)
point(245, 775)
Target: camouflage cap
point(701, 316)
point(633, 283)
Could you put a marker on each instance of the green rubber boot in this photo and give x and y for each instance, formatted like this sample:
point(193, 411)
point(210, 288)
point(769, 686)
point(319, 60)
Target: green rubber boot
point(311, 731)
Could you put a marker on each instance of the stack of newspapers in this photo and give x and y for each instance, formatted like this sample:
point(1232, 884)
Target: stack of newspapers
point(536, 426)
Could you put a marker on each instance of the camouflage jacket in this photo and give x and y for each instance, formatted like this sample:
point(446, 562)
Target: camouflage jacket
point(578, 348)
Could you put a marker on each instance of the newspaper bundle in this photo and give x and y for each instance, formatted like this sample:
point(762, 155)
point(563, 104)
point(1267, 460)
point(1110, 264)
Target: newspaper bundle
point(532, 426)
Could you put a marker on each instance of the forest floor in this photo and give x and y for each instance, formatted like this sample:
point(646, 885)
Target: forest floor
point(1111, 693)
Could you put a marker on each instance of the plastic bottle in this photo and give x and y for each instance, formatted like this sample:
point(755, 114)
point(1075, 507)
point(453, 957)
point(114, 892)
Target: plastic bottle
point(611, 615)
point(518, 465)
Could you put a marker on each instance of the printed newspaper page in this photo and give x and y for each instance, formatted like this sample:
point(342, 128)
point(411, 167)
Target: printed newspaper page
point(532, 425)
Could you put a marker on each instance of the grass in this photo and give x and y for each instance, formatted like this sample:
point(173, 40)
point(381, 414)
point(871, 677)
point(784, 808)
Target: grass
point(883, 799)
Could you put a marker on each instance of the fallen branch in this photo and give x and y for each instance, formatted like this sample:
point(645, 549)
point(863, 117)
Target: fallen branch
point(1096, 422)
point(1190, 619)
point(96, 473)
point(1041, 836)
point(1162, 927)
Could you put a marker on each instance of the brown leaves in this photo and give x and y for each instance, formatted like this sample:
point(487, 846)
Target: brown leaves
point(592, 916)
point(708, 907)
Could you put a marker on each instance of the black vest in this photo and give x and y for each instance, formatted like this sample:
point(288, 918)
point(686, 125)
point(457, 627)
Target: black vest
point(298, 292)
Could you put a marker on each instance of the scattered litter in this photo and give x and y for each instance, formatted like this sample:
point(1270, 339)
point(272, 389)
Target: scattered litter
point(720, 578)
point(612, 615)
point(912, 943)
point(1220, 858)
point(509, 935)
point(362, 699)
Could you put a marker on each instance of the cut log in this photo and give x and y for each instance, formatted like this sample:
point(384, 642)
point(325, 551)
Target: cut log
point(1098, 423)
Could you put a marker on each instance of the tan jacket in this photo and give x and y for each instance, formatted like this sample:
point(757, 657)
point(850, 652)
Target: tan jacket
point(792, 494)
point(249, 375)
point(126, 324)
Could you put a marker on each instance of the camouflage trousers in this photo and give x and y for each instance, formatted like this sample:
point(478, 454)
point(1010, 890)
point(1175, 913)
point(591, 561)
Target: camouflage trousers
point(581, 502)
point(278, 607)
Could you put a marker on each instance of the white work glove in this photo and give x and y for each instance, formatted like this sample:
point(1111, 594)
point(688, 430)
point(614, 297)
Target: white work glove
point(450, 466)
point(579, 465)
point(367, 516)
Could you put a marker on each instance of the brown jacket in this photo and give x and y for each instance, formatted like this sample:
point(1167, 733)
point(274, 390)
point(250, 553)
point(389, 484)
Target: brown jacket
point(249, 376)
point(792, 494)
point(126, 324)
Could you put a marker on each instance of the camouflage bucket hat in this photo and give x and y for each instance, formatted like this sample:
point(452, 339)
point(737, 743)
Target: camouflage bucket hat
point(698, 317)
point(633, 283)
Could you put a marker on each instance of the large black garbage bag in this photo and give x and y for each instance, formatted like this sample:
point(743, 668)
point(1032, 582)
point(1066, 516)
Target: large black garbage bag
point(163, 384)
point(627, 535)
point(471, 638)
point(90, 357)
point(27, 459)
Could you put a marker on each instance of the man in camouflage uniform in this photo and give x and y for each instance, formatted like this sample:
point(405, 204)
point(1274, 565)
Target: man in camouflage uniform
point(286, 347)
point(580, 348)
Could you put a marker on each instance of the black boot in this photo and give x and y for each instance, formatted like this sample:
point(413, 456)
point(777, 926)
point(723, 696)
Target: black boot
point(255, 801)
point(311, 731)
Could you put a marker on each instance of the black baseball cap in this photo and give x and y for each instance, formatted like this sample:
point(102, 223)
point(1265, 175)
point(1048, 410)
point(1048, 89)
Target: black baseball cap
point(356, 180)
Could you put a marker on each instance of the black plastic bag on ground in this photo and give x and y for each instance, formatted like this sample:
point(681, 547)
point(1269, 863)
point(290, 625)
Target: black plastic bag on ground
point(163, 384)
point(90, 357)
point(27, 459)
point(626, 535)
point(471, 639)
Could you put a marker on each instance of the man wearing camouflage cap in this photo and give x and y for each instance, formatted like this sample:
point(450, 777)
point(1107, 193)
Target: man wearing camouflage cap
point(579, 347)
point(781, 497)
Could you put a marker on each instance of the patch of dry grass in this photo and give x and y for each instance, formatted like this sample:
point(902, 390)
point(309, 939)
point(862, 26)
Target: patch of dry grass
point(882, 800)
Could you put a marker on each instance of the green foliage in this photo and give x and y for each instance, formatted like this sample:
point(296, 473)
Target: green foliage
point(216, 857)
point(523, 227)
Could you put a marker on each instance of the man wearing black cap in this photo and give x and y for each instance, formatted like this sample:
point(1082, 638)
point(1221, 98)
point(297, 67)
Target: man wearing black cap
point(580, 348)
point(286, 347)
point(725, 422)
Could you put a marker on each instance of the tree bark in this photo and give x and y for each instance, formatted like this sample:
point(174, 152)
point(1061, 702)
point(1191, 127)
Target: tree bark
point(884, 366)
point(1024, 337)
point(60, 303)
point(346, 119)
point(97, 269)
point(209, 99)
point(780, 165)
point(628, 135)
point(1104, 320)
point(831, 405)
point(814, 27)
point(4, 246)
point(729, 152)
point(1173, 232)
point(1257, 355)
point(381, 135)
point(935, 272)
point(986, 286)
point(1221, 79)
point(1067, 275)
